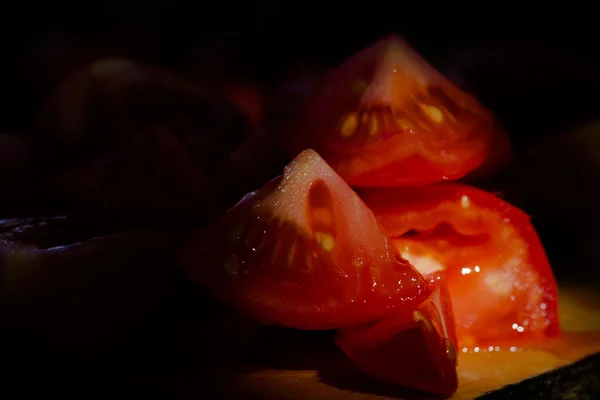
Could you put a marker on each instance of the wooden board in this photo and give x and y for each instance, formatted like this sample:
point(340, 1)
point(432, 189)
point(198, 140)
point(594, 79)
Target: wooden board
point(286, 365)
point(184, 361)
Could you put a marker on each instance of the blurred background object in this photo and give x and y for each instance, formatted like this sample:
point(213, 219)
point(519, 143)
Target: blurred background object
point(249, 68)
point(540, 78)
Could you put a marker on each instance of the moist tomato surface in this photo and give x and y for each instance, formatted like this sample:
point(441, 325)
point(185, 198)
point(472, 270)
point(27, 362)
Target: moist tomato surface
point(304, 252)
point(386, 117)
point(414, 349)
point(502, 287)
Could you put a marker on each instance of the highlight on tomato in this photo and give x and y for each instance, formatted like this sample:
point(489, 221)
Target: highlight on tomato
point(502, 286)
point(415, 349)
point(304, 252)
point(387, 118)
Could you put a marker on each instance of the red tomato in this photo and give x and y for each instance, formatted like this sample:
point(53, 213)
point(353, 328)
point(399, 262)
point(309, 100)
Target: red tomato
point(415, 349)
point(386, 117)
point(304, 252)
point(501, 283)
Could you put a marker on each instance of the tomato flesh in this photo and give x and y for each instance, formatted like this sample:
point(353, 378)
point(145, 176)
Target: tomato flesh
point(414, 349)
point(502, 287)
point(386, 117)
point(304, 252)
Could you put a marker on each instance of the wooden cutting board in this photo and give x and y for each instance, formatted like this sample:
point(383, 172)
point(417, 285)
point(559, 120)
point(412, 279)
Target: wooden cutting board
point(285, 364)
point(301, 365)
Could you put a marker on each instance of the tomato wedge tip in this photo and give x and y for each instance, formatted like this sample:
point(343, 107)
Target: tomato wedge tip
point(304, 252)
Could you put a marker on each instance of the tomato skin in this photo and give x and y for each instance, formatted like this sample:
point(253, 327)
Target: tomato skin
point(413, 171)
point(387, 118)
point(416, 349)
point(531, 311)
point(306, 253)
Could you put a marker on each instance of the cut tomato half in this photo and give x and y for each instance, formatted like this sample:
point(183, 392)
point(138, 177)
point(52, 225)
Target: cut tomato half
point(415, 349)
point(304, 252)
point(386, 117)
point(503, 289)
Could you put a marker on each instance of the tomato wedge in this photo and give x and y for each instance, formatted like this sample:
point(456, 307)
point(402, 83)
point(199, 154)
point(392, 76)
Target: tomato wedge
point(304, 252)
point(502, 287)
point(414, 349)
point(386, 118)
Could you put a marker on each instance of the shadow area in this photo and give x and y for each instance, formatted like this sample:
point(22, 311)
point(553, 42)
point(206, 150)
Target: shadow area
point(169, 365)
point(291, 350)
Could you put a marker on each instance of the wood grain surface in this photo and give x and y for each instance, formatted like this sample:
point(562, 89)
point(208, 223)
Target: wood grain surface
point(300, 365)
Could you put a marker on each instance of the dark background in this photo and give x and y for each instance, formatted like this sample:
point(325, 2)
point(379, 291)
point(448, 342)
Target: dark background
point(537, 70)
point(539, 75)
point(551, 52)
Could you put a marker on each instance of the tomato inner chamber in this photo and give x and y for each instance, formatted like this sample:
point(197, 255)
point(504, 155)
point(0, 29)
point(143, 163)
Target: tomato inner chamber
point(495, 291)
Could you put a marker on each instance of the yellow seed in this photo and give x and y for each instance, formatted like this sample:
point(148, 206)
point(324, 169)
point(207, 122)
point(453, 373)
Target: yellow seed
point(434, 113)
point(465, 202)
point(373, 126)
point(349, 125)
point(325, 240)
point(402, 123)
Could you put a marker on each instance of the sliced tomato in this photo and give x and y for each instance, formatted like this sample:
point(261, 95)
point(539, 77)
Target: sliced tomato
point(503, 289)
point(414, 349)
point(386, 117)
point(304, 252)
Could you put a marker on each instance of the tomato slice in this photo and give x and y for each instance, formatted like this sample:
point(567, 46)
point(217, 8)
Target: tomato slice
point(503, 289)
point(304, 252)
point(386, 117)
point(414, 349)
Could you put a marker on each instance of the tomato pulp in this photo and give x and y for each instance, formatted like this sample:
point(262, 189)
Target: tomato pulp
point(386, 117)
point(502, 287)
point(304, 252)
